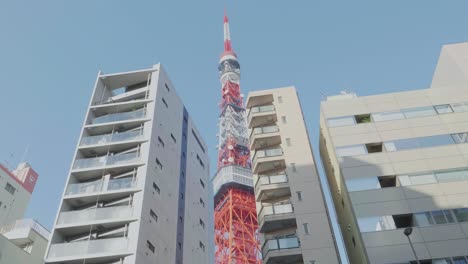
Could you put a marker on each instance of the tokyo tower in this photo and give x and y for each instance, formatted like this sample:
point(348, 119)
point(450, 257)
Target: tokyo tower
point(235, 217)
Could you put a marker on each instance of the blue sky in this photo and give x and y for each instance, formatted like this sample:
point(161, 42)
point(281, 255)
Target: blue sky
point(51, 51)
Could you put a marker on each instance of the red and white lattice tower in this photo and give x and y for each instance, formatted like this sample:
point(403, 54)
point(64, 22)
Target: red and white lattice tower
point(235, 216)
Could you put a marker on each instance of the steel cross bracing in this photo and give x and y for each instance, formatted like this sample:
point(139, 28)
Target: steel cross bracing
point(236, 225)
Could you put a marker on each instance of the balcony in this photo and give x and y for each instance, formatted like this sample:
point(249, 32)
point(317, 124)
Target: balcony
point(266, 136)
point(272, 186)
point(94, 216)
point(112, 138)
point(106, 161)
point(262, 115)
point(118, 117)
point(91, 250)
point(277, 216)
point(268, 160)
point(282, 250)
point(100, 186)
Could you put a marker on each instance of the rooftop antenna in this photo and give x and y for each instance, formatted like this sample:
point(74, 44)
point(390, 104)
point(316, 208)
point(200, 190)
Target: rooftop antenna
point(25, 154)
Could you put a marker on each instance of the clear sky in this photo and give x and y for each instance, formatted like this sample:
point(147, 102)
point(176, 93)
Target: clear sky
point(51, 51)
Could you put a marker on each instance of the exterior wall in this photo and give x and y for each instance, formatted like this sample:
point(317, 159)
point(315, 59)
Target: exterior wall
point(318, 245)
point(12, 206)
point(168, 177)
point(391, 246)
point(452, 67)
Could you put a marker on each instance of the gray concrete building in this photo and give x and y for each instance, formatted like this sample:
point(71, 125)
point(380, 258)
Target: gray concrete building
point(138, 187)
point(400, 160)
point(293, 222)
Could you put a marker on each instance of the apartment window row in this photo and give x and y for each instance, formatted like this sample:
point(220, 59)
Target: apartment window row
point(402, 144)
point(9, 188)
point(200, 161)
point(378, 182)
point(451, 260)
point(398, 114)
point(198, 141)
point(391, 222)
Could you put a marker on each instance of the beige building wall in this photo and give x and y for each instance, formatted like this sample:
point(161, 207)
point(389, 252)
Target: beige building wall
point(373, 185)
point(452, 67)
point(293, 219)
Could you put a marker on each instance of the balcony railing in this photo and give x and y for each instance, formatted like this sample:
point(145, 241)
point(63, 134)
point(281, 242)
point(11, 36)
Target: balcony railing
point(110, 138)
point(261, 109)
point(264, 153)
point(264, 130)
point(25, 224)
point(120, 116)
point(97, 214)
point(280, 244)
point(80, 248)
point(97, 186)
point(275, 209)
point(106, 161)
point(272, 179)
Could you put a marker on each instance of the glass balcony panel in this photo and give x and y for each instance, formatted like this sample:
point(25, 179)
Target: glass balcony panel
point(102, 246)
point(106, 160)
point(291, 242)
point(283, 208)
point(272, 244)
point(116, 137)
point(119, 117)
point(122, 158)
point(94, 214)
point(278, 179)
point(89, 163)
point(124, 183)
point(87, 187)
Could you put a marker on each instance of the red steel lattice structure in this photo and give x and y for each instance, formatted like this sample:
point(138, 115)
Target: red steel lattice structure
point(236, 225)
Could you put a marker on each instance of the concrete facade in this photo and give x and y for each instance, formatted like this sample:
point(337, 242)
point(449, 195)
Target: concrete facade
point(399, 160)
point(138, 189)
point(293, 220)
point(452, 67)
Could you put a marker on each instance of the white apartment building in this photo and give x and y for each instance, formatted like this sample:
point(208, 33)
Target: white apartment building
point(293, 221)
point(138, 187)
point(400, 160)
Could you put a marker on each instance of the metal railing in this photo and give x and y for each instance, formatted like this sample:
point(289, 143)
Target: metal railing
point(95, 214)
point(264, 130)
point(99, 246)
point(120, 117)
point(106, 161)
point(271, 179)
point(264, 153)
point(280, 244)
point(97, 186)
point(275, 209)
point(114, 137)
point(261, 109)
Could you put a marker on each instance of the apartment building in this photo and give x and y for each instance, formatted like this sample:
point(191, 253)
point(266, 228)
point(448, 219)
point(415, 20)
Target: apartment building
point(138, 187)
point(400, 160)
point(293, 221)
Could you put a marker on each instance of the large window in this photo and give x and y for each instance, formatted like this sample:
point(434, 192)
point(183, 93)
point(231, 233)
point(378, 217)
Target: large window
point(387, 116)
point(376, 223)
point(351, 150)
point(454, 175)
point(419, 112)
point(341, 121)
point(461, 214)
point(361, 184)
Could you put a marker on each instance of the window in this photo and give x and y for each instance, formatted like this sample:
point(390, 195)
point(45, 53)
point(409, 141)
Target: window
point(156, 188)
point(280, 99)
point(423, 219)
point(179, 245)
point(354, 242)
point(387, 116)
point(374, 147)
point(293, 166)
point(202, 202)
point(443, 109)
point(459, 260)
point(201, 162)
point(202, 246)
point(387, 181)
point(362, 183)
point(353, 150)
point(173, 138)
point(461, 214)
point(402, 221)
point(341, 121)
point(460, 107)
point(306, 228)
point(419, 112)
point(283, 119)
point(362, 118)
point(401, 144)
point(202, 183)
point(182, 196)
point(159, 164)
point(288, 142)
point(153, 215)
point(460, 138)
point(299, 196)
point(165, 103)
point(161, 141)
point(9, 188)
point(198, 141)
point(417, 179)
point(434, 141)
point(442, 217)
point(150, 246)
point(167, 87)
point(375, 223)
point(449, 176)
point(202, 223)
